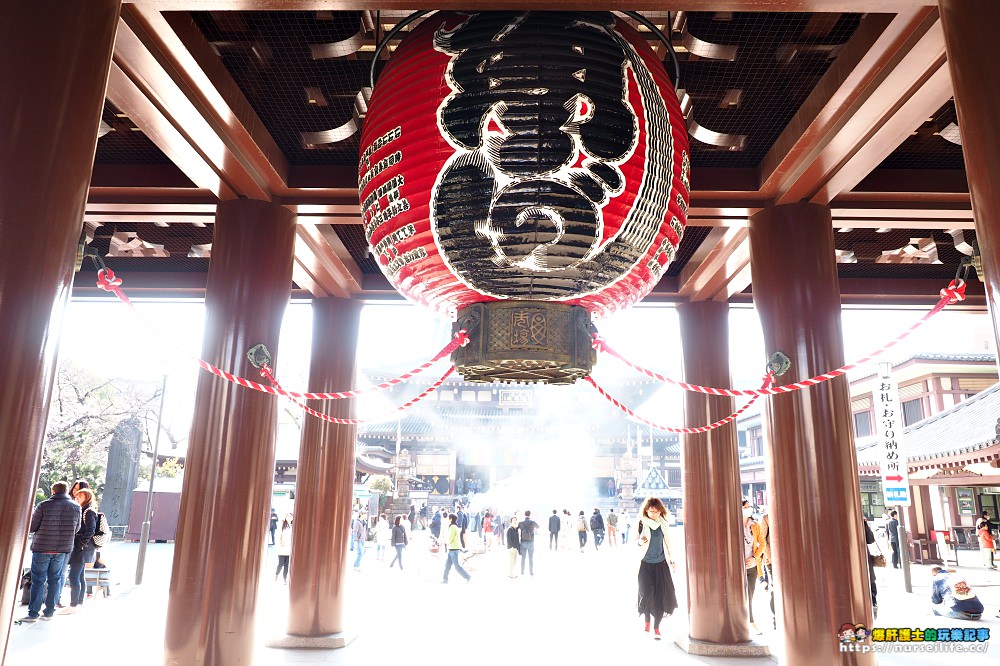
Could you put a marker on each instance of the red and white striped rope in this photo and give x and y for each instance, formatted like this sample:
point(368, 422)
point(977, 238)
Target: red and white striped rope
point(768, 378)
point(107, 281)
point(266, 371)
point(953, 293)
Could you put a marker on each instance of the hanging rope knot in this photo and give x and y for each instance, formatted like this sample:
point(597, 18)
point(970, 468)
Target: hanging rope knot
point(599, 343)
point(462, 336)
point(767, 380)
point(107, 281)
point(955, 291)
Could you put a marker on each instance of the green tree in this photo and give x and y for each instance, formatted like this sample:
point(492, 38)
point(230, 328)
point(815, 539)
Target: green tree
point(383, 486)
point(84, 412)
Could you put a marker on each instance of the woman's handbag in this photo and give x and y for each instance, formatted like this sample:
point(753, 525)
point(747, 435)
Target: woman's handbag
point(878, 560)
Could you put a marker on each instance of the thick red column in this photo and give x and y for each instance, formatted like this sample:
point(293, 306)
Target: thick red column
point(817, 538)
point(324, 485)
point(55, 58)
point(970, 34)
point(713, 538)
point(229, 471)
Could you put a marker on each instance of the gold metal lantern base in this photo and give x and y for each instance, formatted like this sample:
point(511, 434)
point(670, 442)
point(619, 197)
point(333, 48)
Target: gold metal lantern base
point(533, 342)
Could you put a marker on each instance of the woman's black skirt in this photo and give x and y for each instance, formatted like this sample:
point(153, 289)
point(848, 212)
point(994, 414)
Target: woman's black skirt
point(656, 589)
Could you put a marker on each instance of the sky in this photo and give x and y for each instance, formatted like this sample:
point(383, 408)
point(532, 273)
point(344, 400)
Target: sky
point(159, 338)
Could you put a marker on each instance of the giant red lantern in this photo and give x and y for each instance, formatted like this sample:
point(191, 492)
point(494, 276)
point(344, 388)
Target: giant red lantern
point(518, 171)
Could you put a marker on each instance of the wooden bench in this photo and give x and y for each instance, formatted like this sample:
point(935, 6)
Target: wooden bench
point(99, 578)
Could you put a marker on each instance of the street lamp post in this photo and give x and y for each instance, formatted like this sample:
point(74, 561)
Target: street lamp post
point(144, 535)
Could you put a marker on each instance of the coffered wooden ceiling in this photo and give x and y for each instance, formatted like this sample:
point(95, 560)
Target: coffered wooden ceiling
point(818, 100)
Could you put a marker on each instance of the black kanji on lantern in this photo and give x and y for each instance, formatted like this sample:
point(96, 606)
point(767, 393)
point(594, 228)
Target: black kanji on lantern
point(541, 121)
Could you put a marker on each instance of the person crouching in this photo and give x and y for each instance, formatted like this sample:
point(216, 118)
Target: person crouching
point(951, 596)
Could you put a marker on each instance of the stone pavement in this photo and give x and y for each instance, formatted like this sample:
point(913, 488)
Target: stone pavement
point(578, 608)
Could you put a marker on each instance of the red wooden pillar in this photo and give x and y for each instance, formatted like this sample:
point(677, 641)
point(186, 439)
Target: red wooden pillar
point(229, 472)
point(325, 483)
point(817, 537)
point(55, 58)
point(717, 601)
point(970, 34)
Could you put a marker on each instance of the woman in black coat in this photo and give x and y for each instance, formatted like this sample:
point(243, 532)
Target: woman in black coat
point(513, 546)
point(83, 547)
point(399, 541)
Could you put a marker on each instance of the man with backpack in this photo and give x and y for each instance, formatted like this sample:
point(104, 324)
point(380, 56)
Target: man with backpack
point(597, 527)
point(527, 529)
point(581, 530)
point(54, 523)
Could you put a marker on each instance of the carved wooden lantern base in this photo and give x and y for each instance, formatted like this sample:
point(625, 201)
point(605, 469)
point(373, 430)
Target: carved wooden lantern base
point(525, 341)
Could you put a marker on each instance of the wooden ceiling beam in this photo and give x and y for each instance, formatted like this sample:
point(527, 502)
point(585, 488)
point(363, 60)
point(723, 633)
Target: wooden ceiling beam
point(889, 77)
point(887, 59)
point(860, 6)
point(164, 99)
point(899, 184)
point(191, 86)
point(224, 145)
point(921, 101)
point(708, 272)
point(348, 271)
point(212, 88)
point(330, 273)
point(125, 93)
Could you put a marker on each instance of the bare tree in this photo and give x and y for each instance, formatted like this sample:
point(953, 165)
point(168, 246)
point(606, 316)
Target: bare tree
point(83, 416)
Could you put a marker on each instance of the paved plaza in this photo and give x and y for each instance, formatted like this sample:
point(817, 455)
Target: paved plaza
point(577, 609)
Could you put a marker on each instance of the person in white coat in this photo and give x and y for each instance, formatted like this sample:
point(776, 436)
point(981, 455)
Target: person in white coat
point(284, 548)
point(383, 537)
point(657, 596)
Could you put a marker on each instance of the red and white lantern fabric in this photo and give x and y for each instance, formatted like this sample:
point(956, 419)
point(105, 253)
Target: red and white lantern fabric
point(535, 156)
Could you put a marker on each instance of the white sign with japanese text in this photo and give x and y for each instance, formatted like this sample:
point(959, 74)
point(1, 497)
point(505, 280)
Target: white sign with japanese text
point(889, 427)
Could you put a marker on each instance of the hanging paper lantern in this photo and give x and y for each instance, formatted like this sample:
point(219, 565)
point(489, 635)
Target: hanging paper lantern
point(521, 170)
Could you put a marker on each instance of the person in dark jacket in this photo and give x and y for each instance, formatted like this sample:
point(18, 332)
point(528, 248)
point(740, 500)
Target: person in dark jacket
point(274, 524)
point(462, 522)
point(436, 525)
point(54, 524)
point(526, 534)
point(399, 541)
point(83, 547)
point(597, 527)
point(951, 596)
point(554, 525)
point(893, 529)
point(513, 546)
point(869, 539)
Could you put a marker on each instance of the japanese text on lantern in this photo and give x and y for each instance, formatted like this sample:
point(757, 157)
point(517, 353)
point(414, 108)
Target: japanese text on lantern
point(889, 427)
point(386, 202)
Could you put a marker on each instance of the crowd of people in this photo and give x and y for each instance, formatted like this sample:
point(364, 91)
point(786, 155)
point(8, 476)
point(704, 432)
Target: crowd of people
point(491, 527)
point(458, 530)
point(63, 528)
